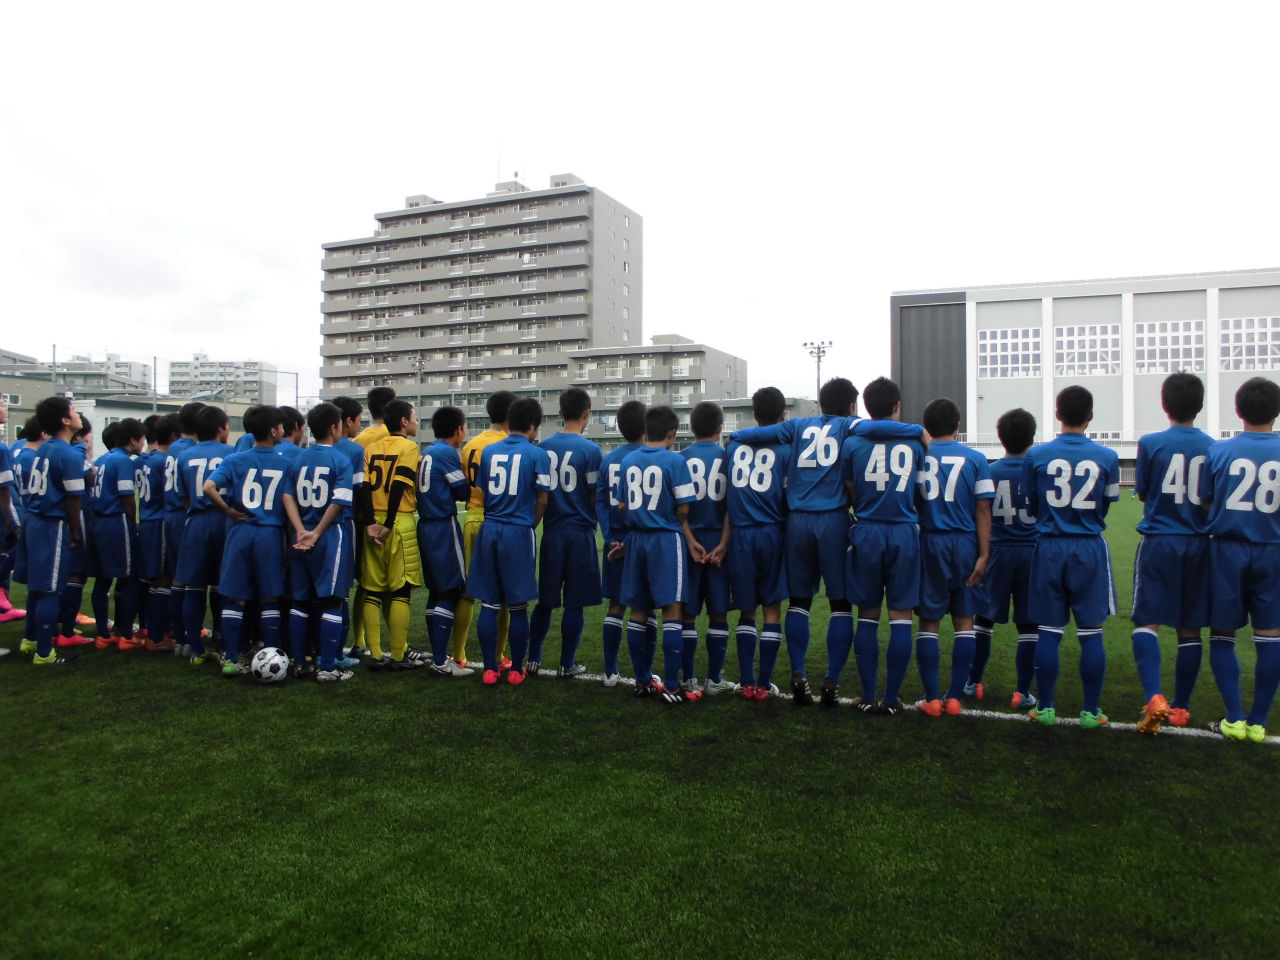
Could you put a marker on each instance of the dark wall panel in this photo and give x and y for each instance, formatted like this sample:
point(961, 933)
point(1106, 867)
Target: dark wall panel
point(929, 354)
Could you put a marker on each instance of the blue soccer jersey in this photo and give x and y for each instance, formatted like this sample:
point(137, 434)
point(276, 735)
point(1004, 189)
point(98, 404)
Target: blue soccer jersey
point(511, 473)
point(1170, 464)
point(1070, 484)
point(316, 478)
point(757, 484)
point(1011, 522)
point(654, 481)
point(6, 468)
point(355, 453)
point(288, 449)
point(884, 475)
point(150, 490)
point(613, 523)
point(952, 479)
point(57, 472)
point(708, 470)
point(244, 442)
point(172, 496)
point(23, 458)
point(441, 482)
point(113, 479)
point(1241, 483)
point(575, 472)
point(196, 464)
point(250, 482)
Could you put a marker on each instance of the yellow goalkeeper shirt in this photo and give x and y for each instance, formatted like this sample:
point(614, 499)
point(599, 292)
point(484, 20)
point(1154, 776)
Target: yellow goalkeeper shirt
point(471, 463)
point(390, 460)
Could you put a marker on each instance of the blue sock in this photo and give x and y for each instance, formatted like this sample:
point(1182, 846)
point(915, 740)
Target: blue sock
point(1047, 642)
point(100, 602)
point(797, 630)
point(299, 628)
point(270, 623)
point(928, 658)
point(1186, 669)
point(193, 617)
point(441, 631)
point(177, 599)
point(1146, 654)
point(839, 640)
point(746, 637)
point(672, 653)
point(1266, 678)
point(539, 626)
point(651, 641)
point(333, 628)
point(45, 609)
point(128, 593)
point(897, 658)
point(1093, 666)
point(638, 648)
point(232, 622)
point(158, 614)
point(717, 648)
point(611, 636)
point(689, 649)
point(961, 662)
point(571, 622)
point(981, 651)
point(866, 651)
point(770, 647)
point(1024, 662)
point(1226, 671)
point(518, 635)
point(487, 632)
point(346, 619)
point(69, 602)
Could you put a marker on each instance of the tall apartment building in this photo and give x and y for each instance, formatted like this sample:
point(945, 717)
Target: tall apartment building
point(251, 380)
point(448, 302)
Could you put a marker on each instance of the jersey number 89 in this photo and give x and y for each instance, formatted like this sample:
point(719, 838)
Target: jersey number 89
point(641, 484)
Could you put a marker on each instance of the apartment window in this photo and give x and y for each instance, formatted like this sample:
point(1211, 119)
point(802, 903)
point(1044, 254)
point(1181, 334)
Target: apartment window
point(626, 221)
point(626, 313)
point(1168, 346)
point(626, 289)
point(626, 336)
point(1014, 352)
point(1250, 343)
point(1087, 350)
point(626, 266)
point(626, 244)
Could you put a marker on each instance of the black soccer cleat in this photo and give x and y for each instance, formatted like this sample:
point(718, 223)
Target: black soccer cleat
point(830, 693)
point(801, 695)
point(890, 708)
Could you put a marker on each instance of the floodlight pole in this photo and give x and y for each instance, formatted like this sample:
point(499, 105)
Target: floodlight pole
point(818, 349)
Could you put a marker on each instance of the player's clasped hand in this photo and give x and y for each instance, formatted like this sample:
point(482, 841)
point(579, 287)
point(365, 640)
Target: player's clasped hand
point(377, 533)
point(305, 540)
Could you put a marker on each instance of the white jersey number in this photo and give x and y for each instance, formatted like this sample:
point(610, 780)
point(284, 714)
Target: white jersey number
point(564, 475)
point(1060, 472)
point(1002, 508)
point(1266, 497)
point(712, 485)
point(501, 479)
point(313, 491)
point(888, 463)
point(933, 485)
point(642, 483)
point(1182, 479)
point(753, 467)
point(252, 494)
point(822, 451)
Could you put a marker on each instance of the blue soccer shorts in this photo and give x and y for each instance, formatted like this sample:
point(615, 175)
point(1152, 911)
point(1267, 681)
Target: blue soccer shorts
point(611, 575)
point(707, 583)
point(503, 561)
point(1171, 581)
point(48, 547)
point(252, 562)
point(152, 547)
point(654, 569)
point(112, 547)
point(444, 565)
point(1071, 576)
point(567, 565)
point(200, 556)
point(326, 570)
point(946, 561)
point(1245, 584)
point(174, 524)
point(816, 545)
point(884, 565)
point(756, 570)
point(1008, 574)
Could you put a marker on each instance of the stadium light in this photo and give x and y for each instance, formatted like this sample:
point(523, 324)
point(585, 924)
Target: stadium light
point(818, 349)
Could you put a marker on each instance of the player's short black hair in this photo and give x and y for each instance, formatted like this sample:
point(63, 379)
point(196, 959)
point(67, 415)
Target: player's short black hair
point(244, 417)
point(168, 429)
point(524, 414)
point(209, 422)
point(1258, 401)
point(1074, 406)
point(351, 408)
point(126, 431)
point(837, 396)
point(631, 421)
point(31, 430)
point(292, 419)
point(1182, 396)
point(259, 421)
point(378, 398)
point(1016, 429)
point(149, 425)
point(498, 405)
point(86, 428)
point(446, 421)
point(50, 412)
point(187, 415)
point(109, 436)
point(395, 413)
point(880, 397)
point(941, 417)
point(768, 404)
point(659, 421)
point(574, 402)
point(705, 420)
point(322, 418)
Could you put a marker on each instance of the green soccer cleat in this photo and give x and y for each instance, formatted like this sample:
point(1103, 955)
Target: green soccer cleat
point(1046, 715)
point(207, 657)
point(230, 668)
point(1231, 729)
point(1256, 732)
point(27, 646)
point(1092, 721)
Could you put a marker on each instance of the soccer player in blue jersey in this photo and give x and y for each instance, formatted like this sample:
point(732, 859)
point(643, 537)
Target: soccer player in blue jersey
point(880, 473)
point(175, 518)
point(54, 486)
point(442, 485)
point(10, 522)
point(205, 531)
point(111, 533)
point(613, 532)
point(1013, 536)
point(1070, 484)
point(77, 561)
point(568, 567)
point(955, 536)
point(152, 539)
point(757, 507)
point(23, 456)
point(515, 476)
point(317, 493)
point(351, 414)
point(1171, 570)
point(294, 431)
point(1240, 485)
point(818, 524)
point(248, 489)
point(245, 440)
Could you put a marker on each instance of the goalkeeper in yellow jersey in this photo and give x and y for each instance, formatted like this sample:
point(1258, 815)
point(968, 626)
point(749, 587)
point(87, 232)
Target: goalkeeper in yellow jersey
point(392, 565)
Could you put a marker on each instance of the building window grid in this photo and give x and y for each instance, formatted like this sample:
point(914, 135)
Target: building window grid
point(1013, 352)
point(1169, 346)
point(1082, 350)
point(1250, 343)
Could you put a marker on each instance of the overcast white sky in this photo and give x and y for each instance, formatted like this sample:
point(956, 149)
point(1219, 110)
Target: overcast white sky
point(170, 170)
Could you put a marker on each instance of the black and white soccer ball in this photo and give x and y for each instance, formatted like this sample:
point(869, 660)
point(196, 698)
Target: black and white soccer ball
point(269, 665)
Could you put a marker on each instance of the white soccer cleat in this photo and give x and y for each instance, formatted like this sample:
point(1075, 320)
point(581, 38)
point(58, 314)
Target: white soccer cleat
point(333, 676)
point(720, 686)
point(451, 668)
point(612, 679)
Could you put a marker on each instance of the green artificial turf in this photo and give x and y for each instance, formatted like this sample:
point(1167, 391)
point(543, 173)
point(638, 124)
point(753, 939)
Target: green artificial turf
point(152, 808)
